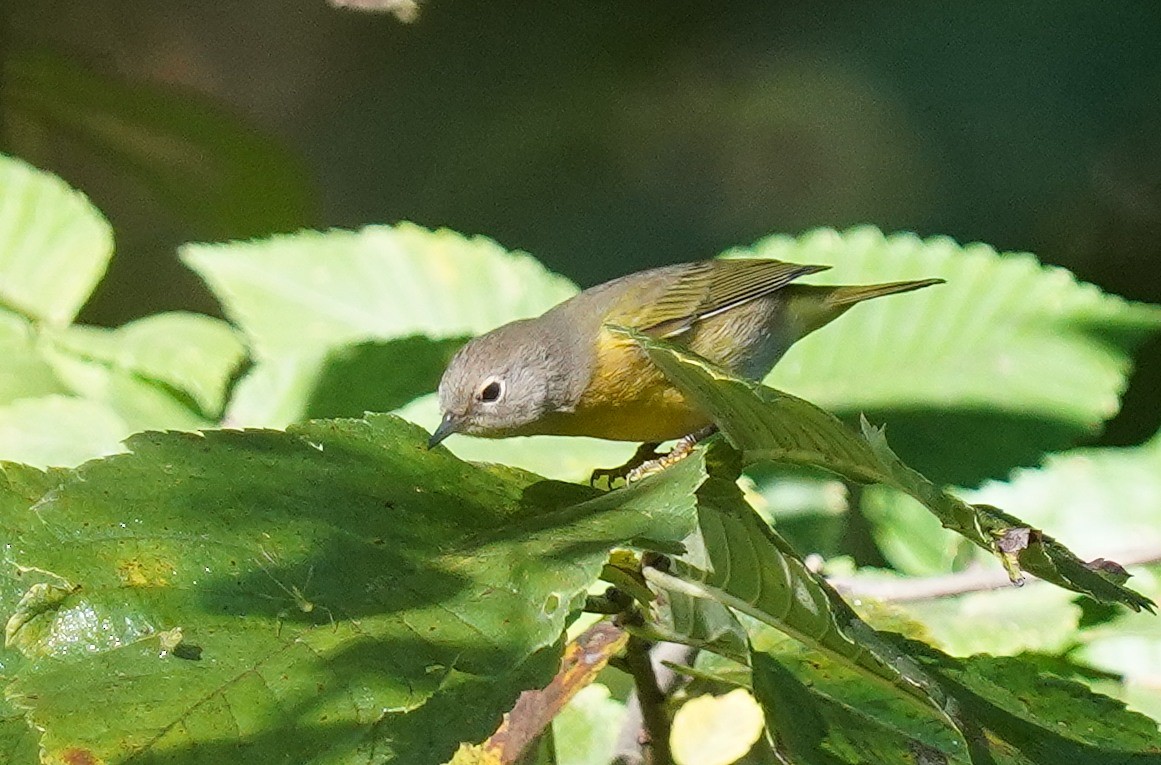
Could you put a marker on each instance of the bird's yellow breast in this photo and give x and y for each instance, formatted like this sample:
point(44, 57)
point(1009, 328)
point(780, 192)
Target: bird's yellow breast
point(627, 399)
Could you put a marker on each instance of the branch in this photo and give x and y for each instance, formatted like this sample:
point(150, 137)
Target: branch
point(903, 590)
point(637, 732)
point(583, 659)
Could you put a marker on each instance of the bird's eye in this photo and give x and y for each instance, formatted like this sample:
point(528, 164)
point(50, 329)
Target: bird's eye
point(492, 391)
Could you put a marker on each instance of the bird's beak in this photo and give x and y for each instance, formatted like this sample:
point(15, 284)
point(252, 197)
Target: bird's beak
point(449, 425)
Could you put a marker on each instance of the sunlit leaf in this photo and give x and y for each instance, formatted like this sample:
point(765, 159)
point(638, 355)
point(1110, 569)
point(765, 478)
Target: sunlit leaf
point(54, 245)
point(24, 372)
point(586, 731)
point(567, 458)
point(716, 730)
point(307, 301)
point(1007, 360)
point(193, 354)
point(1095, 500)
point(310, 290)
point(59, 431)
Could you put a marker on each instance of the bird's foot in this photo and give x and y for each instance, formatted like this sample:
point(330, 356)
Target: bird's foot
point(648, 460)
point(682, 449)
point(644, 454)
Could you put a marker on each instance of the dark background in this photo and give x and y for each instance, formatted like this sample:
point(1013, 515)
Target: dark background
point(604, 137)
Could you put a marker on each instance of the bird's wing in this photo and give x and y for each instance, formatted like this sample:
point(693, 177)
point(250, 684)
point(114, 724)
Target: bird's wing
point(711, 287)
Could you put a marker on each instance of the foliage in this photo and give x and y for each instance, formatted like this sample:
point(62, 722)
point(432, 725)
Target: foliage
point(283, 578)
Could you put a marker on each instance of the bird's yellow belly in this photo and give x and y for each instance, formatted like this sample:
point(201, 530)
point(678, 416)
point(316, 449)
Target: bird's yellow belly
point(628, 399)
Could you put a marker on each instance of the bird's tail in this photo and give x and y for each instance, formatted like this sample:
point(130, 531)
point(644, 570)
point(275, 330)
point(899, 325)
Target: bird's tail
point(814, 305)
point(843, 297)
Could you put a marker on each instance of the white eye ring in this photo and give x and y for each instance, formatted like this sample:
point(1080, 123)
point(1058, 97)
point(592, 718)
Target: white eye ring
point(491, 391)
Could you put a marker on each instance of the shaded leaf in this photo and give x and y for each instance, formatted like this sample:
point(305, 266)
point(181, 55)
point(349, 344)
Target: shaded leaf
point(378, 376)
point(1007, 360)
point(811, 728)
point(54, 245)
point(750, 569)
point(1051, 720)
point(347, 590)
point(201, 161)
point(830, 681)
point(19, 743)
point(770, 425)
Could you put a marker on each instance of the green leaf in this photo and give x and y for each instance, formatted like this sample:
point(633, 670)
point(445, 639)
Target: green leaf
point(20, 487)
point(911, 539)
point(1005, 361)
point(746, 566)
point(586, 730)
point(59, 431)
point(1099, 501)
point(770, 425)
point(1007, 621)
point(1051, 720)
point(25, 373)
point(811, 728)
point(54, 245)
point(19, 744)
point(338, 588)
point(378, 376)
point(194, 354)
point(305, 300)
point(200, 160)
point(323, 290)
point(1096, 500)
point(566, 458)
point(140, 403)
point(1013, 710)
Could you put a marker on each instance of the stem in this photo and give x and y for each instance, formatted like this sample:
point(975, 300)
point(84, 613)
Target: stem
point(960, 583)
point(656, 727)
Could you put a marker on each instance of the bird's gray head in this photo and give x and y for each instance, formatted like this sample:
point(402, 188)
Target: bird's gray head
point(499, 384)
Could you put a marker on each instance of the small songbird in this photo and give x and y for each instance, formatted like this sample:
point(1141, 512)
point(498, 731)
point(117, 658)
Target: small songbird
point(566, 373)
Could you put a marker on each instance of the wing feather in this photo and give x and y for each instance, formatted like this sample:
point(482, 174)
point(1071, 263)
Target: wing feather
point(712, 287)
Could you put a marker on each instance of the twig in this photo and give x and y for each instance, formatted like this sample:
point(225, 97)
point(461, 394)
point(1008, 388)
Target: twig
point(630, 749)
point(901, 590)
point(583, 659)
point(653, 733)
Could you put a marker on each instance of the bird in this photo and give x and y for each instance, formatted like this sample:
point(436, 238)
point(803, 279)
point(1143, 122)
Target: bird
point(569, 372)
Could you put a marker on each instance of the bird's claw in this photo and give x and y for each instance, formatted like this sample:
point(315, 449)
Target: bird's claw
point(647, 460)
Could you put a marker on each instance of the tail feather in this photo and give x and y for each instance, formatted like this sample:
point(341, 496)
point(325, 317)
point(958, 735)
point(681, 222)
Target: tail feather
point(814, 305)
point(848, 296)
